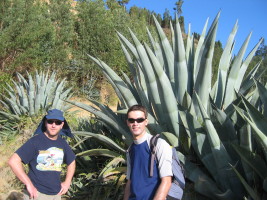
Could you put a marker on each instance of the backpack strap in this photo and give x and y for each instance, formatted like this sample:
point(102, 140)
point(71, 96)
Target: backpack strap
point(153, 144)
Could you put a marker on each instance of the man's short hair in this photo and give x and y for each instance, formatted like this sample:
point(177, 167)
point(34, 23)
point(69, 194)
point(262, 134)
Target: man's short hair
point(137, 108)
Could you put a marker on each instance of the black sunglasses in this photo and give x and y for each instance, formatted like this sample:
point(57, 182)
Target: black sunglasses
point(138, 120)
point(51, 121)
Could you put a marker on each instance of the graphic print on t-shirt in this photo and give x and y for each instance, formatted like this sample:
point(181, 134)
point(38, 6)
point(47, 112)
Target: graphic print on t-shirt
point(50, 159)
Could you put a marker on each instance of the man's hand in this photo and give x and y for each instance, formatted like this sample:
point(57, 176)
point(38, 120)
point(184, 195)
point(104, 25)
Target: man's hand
point(64, 188)
point(66, 184)
point(33, 193)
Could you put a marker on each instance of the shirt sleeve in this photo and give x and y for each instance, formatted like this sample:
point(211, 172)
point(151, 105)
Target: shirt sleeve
point(128, 173)
point(164, 157)
point(69, 154)
point(26, 152)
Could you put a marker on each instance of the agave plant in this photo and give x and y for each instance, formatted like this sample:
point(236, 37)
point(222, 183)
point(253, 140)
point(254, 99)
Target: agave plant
point(30, 96)
point(252, 149)
point(174, 82)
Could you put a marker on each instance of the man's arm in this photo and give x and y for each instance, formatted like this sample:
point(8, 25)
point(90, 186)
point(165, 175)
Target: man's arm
point(127, 190)
point(163, 188)
point(66, 184)
point(15, 164)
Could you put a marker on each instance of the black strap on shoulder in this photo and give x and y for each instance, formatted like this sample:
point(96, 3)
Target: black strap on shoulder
point(153, 144)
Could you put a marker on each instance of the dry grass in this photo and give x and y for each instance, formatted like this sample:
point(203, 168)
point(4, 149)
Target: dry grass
point(8, 182)
point(107, 97)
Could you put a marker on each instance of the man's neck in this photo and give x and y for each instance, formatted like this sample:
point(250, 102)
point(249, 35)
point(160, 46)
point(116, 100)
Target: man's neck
point(139, 136)
point(51, 137)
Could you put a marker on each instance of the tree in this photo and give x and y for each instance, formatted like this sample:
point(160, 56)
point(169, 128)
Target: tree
point(166, 19)
point(178, 7)
point(260, 56)
point(26, 35)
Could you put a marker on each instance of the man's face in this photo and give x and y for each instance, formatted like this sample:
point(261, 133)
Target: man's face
point(137, 123)
point(53, 127)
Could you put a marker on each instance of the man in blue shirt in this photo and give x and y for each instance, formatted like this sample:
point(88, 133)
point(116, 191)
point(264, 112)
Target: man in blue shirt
point(45, 153)
point(140, 186)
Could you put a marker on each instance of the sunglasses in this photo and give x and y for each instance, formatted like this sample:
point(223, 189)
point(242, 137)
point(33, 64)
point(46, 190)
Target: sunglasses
point(57, 122)
point(138, 120)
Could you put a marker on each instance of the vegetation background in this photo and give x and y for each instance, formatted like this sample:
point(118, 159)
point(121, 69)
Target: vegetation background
point(50, 35)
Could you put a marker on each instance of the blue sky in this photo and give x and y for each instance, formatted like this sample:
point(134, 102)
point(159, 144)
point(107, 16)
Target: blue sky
point(251, 16)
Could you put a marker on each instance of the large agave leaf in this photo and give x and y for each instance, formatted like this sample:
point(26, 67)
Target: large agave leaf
point(227, 179)
point(172, 36)
point(37, 102)
point(168, 100)
point(205, 185)
point(168, 56)
point(150, 78)
point(129, 45)
point(226, 131)
point(204, 63)
point(234, 73)
point(101, 138)
point(56, 100)
point(124, 90)
point(106, 119)
point(142, 89)
point(257, 122)
point(263, 96)
point(138, 76)
point(120, 182)
point(130, 62)
point(199, 46)
point(256, 117)
point(224, 67)
point(188, 43)
point(115, 171)
point(50, 86)
point(170, 138)
point(22, 97)
point(245, 64)
point(248, 81)
point(156, 48)
point(131, 87)
point(111, 165)
point(246, 142)
point(199, 142)
point(253, 160)
point(99, 152)
point(13, 106)
point(31, 92)
point(10, 116)
point(190, 63)
point(180, 65)
point(247, 186)
point(12, 95)
point(23, 81)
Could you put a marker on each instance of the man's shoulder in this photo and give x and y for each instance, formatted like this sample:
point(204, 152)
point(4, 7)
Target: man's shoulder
point(161, 142)
point(32, 139)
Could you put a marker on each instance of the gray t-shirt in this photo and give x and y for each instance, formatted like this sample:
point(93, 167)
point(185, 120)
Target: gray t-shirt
point(163, 156)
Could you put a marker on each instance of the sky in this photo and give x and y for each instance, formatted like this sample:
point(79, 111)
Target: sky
point(251, 16)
